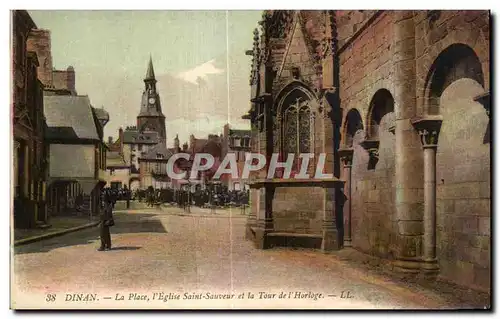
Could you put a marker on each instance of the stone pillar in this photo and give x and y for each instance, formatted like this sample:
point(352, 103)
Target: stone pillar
point(346, 155)
point(408, 179)
point(428, 129)
point(252, 216)
point(264, 216)
point(330, 232)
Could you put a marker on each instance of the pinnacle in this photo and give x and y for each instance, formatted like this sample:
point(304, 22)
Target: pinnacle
point(150, 74)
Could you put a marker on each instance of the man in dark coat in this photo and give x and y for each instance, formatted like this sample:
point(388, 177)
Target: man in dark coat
point(106, 222)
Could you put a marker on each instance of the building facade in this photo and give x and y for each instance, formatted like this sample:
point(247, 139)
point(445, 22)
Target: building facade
point(29, 152)
point(399, 102)
point(77, 155)
point(237, 142)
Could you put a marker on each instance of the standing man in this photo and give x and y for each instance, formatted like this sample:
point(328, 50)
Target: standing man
point(106, 221)
point(126, 193)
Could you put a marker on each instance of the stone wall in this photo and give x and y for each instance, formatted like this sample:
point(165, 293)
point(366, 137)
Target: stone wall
point(463, 153)
point(298, 209)
point(400, 53)
point(365, 68)
point(367, 64)
point(373, 218)
point(463, 187)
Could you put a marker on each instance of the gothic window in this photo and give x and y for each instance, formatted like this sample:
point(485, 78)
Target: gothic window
point(304, 129)
point(297, 128)
point(291, 130)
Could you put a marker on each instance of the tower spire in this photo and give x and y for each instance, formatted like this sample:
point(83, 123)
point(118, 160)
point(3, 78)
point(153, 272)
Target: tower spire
point(150, 74)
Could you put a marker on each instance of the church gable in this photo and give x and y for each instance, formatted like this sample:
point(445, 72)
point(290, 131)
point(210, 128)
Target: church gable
point(300, 60)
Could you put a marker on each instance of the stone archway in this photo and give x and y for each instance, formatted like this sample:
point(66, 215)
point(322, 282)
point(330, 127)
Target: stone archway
point(373, 171)
point(353, 124)
point(457, 159)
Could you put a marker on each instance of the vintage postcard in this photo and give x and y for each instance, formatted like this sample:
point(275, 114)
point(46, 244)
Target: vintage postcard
point(265, 159)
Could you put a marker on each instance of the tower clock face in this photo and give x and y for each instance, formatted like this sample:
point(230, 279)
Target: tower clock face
point(151, 100)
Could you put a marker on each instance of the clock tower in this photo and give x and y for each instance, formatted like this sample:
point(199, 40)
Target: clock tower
point(151, 118)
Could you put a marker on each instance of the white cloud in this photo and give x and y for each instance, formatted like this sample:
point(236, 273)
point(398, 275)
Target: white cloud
point(200, 72)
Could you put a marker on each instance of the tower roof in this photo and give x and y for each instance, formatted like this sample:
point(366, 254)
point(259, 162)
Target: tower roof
point(150, 74)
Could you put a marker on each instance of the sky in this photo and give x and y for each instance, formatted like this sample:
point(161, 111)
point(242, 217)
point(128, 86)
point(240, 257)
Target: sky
point(198, 56)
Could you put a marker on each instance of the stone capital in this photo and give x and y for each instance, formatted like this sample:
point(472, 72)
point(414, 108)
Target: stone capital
point(428, 128)
point(484, 99)
point(346, 155)
point(371, 146)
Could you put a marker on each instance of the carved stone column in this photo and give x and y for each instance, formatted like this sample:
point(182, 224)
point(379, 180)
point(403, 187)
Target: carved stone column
point(346, 155)
point(428, 129)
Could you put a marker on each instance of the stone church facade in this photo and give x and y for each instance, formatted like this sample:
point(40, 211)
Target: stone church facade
point(399, 102)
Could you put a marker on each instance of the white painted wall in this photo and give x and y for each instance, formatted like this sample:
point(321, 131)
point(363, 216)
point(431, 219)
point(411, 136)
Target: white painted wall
point(68, 160)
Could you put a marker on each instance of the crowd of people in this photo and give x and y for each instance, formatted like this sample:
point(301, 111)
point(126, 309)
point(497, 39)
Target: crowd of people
point(201, 198)
point(220, 197)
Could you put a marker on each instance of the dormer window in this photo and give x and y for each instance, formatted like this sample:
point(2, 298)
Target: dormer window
point(246, 141)
point(237, 142)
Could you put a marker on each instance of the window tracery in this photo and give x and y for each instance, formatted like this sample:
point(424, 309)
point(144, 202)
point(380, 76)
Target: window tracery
point(298, 128)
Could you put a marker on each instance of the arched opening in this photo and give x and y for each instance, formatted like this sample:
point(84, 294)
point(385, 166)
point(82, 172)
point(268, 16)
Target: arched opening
point(381, 108)
point(455, 62)
point(353, 124)
point(462, 162)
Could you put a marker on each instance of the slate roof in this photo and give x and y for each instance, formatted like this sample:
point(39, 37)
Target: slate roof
point(115, 159)
point(150, 74)
point(158, 149)
point(134, 137)
point(69, 117)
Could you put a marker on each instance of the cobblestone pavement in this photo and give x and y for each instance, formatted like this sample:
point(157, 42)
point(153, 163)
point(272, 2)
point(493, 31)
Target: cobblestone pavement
point(161, 260)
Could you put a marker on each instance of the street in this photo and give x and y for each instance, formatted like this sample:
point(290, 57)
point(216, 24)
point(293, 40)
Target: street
point(165, 261)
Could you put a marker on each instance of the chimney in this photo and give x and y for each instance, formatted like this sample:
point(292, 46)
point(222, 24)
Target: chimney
point(176, 143)
point(70, 80)
point(120, 136)
point(192, 141)
point(39, 42)
point(110, 140)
